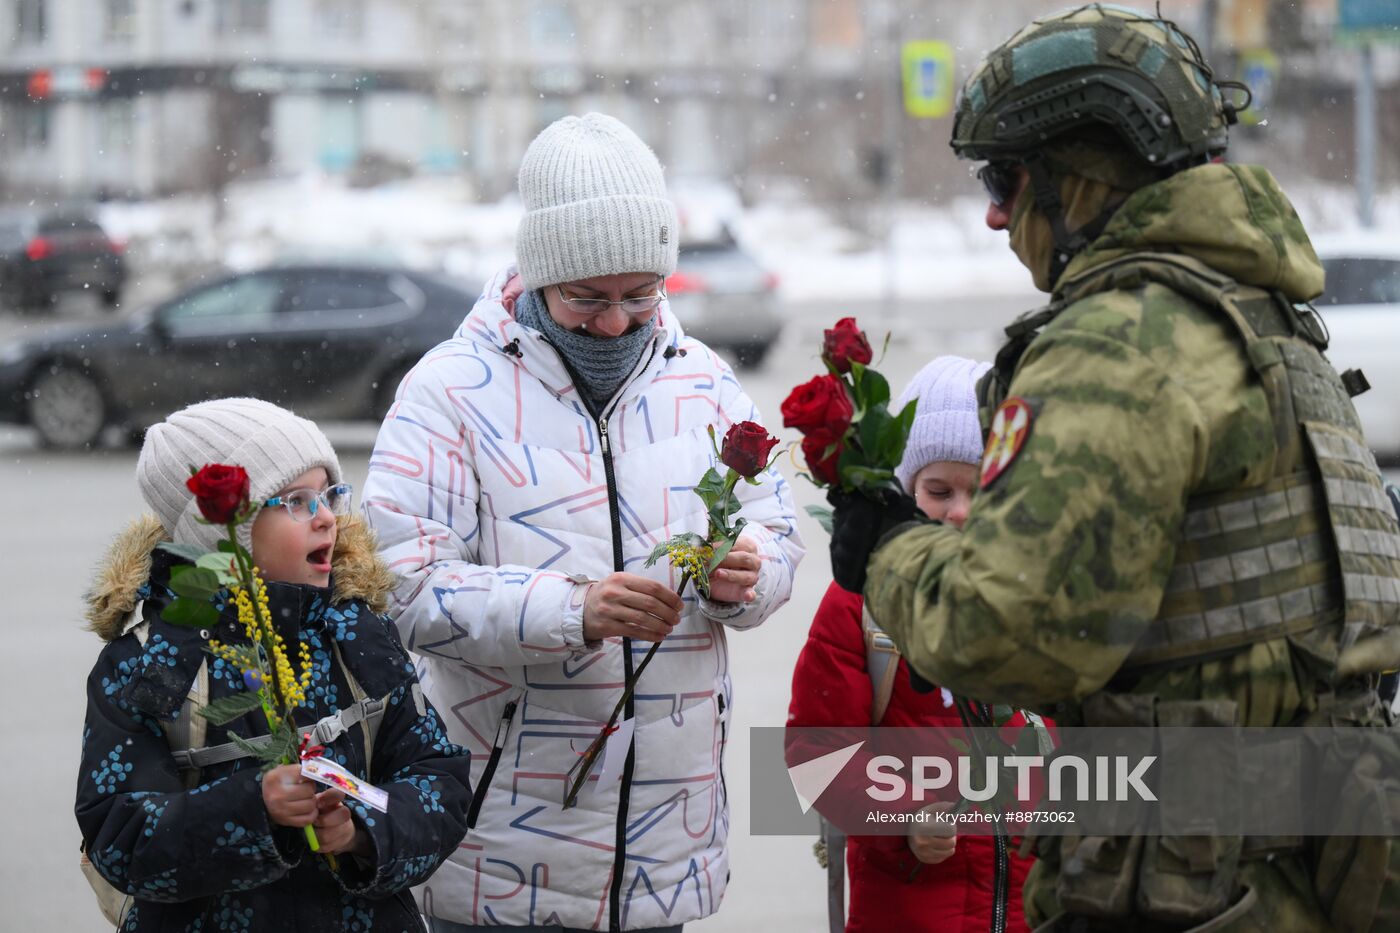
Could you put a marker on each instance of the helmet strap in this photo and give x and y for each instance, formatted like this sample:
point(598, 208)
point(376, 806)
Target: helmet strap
point(1045, 183)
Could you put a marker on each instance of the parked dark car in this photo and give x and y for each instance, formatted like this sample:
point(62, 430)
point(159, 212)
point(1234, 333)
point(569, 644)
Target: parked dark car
point(46, 253)
point(721, 295)
point(330, 342)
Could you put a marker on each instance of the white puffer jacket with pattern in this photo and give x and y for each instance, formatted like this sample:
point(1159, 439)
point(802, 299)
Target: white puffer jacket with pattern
point(495, 493)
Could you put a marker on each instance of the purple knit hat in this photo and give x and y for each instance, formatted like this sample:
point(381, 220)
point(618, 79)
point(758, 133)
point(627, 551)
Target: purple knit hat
point(945, 423)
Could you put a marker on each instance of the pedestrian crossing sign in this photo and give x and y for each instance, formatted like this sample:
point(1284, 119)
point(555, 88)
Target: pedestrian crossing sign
point(927, 67)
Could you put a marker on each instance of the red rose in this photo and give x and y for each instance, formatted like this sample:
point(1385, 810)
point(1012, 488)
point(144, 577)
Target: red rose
point(221, 492)
point(746, 448)
point(845, 344)
point(821, 404)
point(821, 464)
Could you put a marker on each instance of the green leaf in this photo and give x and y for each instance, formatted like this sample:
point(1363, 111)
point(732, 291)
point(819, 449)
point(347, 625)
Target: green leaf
point(872, 429)
point(657, 553)
point(220, 564)
point(823, 516)
point(1002, 714)
point(225, 710)
point(283, 746)
point(257, 749)
point(710, 489)
point(194, 582)
point(862, 477)
point(187, 551)
point(191, 613)
point(684, 539)
point(874, 389)
point(228, 547)
point(721, 552)
point(724, 547)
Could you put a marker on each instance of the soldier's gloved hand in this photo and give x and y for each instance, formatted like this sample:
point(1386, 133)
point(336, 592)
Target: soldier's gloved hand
point(857, 525)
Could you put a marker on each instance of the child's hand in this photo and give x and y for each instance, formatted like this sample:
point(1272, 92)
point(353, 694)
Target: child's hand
point(335, 828)
point(934, 842)
point(290, 798)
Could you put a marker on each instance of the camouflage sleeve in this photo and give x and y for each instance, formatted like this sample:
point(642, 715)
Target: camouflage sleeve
point(1063, 559)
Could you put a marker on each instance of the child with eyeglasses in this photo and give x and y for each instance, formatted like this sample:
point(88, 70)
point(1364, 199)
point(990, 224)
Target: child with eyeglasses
point(182, 829)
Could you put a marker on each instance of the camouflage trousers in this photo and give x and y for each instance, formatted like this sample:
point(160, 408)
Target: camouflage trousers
point(1344, 884)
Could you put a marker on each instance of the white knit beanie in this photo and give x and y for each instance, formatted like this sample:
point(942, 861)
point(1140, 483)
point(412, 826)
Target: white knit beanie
point(595, 203)
point(271, 443)
point(945, 422)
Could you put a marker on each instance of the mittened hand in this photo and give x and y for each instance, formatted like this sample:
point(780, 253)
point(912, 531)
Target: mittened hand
point(858, 523)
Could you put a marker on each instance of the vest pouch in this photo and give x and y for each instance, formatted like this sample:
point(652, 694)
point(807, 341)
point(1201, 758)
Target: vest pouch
point(1357, 878)
point(1188, 879)
point(1192, 878)
point(1098, 875)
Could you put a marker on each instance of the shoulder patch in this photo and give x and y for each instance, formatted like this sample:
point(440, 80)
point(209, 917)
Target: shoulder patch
point(1011, 425)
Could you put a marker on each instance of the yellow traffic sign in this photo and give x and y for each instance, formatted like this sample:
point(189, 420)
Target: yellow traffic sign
point(927, 66)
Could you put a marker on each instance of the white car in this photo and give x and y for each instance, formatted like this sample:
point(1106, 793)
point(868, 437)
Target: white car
point(1361, 308)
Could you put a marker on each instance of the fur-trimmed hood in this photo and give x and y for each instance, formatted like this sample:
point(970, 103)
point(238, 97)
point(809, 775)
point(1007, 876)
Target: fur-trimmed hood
point(356, 572)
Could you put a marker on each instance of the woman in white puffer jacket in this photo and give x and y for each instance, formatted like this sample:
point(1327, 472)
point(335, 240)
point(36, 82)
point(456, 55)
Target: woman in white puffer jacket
point(526, 470)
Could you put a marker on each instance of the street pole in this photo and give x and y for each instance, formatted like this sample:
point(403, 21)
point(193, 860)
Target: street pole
point(1207, 32)
point(1366, 138)
point(894, 114)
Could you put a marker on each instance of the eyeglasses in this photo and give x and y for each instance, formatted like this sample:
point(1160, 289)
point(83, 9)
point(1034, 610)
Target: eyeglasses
point(599, 305)
point(301, 504)
point(1001, 179)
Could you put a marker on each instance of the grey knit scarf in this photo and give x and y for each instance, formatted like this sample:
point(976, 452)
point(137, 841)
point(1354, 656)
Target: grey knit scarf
point(599, 364)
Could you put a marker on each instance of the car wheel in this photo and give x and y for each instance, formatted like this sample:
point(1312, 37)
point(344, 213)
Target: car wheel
point(66, 407)
point(750, 355)
point(111, 298)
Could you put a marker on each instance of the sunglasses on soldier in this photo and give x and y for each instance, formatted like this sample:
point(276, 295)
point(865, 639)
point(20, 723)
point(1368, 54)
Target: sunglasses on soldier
point(1001, 180)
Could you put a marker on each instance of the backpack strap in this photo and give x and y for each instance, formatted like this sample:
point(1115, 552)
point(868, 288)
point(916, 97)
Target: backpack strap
point(365, 712)
point(882, 663)
point(187, 730)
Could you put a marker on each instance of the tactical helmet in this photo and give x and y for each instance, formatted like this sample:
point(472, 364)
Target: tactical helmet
point(1096, 64)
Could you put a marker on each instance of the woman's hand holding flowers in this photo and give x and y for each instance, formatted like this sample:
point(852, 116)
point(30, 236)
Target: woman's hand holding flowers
point(733, 581)
point(630, 606)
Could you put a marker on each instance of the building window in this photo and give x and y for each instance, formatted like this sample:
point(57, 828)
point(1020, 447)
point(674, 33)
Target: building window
point(116, 125)
point(232, 17)
point(340, 19)
point(28, 127)
point(552, 26)
point(31, 22)
point(121, 20)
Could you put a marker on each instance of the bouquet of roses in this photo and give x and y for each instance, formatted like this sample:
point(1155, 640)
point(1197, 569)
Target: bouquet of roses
point(221, 492)
point(745, 454)
point(852, 444)
point(850, 439)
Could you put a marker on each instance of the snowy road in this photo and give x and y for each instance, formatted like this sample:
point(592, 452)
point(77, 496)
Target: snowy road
point(62, 509)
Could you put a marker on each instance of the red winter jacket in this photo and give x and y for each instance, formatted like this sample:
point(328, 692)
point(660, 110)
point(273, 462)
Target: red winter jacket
point(831, 687)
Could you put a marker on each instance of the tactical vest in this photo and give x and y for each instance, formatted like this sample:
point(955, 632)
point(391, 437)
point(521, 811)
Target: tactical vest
point(1314, 549)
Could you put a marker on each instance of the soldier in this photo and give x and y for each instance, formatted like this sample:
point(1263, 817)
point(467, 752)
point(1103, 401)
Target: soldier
point(1178, 520)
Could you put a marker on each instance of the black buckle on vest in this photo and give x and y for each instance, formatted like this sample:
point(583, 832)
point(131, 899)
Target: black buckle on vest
point(1308, 324)
point(1355, 382)
point(1032, 321)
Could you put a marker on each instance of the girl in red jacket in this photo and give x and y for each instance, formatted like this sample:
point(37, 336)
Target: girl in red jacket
point(917, 883)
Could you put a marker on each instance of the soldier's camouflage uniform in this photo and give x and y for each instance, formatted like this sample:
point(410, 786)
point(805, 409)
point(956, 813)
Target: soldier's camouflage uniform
point(1192, 534)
